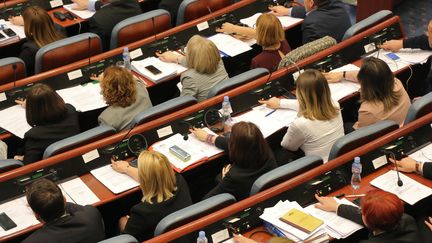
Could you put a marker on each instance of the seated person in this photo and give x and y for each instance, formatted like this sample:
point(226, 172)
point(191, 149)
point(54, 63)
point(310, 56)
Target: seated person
point(321, 18)
point(62, 221)
point(381, 212)
point(164, 192)
point(269, 35)
point(125, 96)
point(423, 42)
point(319, 123)
point(39, 30)
point(108, 15)
point(206, 67)
point(383, 96)
point(50, 118)
point(250, 156)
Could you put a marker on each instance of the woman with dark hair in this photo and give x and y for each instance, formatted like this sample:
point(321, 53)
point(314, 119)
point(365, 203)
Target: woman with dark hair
point(250, 156)
point(39, 30)
point(383, 96)
point(381, 212)
point(51, 120)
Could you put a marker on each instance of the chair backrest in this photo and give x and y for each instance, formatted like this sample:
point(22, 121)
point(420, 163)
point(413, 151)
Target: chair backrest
point(367, 22)
point(124, 238)
point(307, 50)
point(236, 81)
point(68, 50)
point(419, 108)
point(9, 164)
point(139, 27)
point(11, 69)
point(285, 172)
point(80, 139)
point(194, 212)
point(193, 9)
point(360, 137)
point(163, 109)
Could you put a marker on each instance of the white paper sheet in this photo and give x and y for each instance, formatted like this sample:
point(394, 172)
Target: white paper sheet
point(19, 211)
point(342, 89)
point(411, 191)
point(113, 180)
point(84, 97)
point(394, 65)
point(84, 14)
point(424, 154)
point(413, 55)
point(79, 192)
point(167, 69)
point(13, 119)
point(286, 21)
point(229, 45)
point(19, 30)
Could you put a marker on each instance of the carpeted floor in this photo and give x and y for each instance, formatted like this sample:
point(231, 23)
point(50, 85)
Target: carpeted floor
point(415, 15)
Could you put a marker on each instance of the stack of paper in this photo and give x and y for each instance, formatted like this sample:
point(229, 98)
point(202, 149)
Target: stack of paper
point(229, 45)
point(424, 154)
point(199, 151)
point(411, 191)
point(272, 215)
point(20, 212)
point(84, 14)
point(166, 69)
point(13, 119)
point(268, 121)
point(19, 30)
point(76, 191)
point(286, 21)
point(85, 97)
point(413, 56)
point(113, 180)
point(337, 227)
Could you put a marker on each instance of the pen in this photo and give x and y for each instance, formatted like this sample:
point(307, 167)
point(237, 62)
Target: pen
point(271, 112)
point(355, 195)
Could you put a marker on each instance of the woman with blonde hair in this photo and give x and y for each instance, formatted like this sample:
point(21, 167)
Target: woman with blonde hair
point(206, 68)
point(269, 34)
point(39, 30)
point(125, 96)
point(319, 123)
point(164, 192)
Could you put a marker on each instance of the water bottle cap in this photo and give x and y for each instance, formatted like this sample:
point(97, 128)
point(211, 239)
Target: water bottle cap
point(357, 160)
point(126, 48)
point(226, 98)
point(201, 234)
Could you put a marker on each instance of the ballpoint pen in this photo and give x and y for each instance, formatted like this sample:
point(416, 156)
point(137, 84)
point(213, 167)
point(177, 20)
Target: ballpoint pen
point(271, 112)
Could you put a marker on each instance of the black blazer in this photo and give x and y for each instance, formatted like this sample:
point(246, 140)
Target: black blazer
point(238, 181)
point(420, 41)
point(172, 7)
point(104, 20)
point(405, 231)
point(330, 19)
point(28, 54)
point(144, 216)
point(427, 170)
point(38, 138)
point(81, 224)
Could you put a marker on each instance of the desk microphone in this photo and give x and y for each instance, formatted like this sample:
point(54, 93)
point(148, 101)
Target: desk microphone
point(121, 140)
point(14, 67)
point(393, 156)
point(89, 51)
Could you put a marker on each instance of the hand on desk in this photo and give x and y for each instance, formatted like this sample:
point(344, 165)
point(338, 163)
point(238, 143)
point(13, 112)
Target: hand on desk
point(328, 204)
point(406, 164)
point(392, 45)
point(333, 77)
point(17, 20)
point(242, 239)
point(21, 102)
point(168, 56)
point(80, 4)
point(19, 157)
point(227, 28)
point(120, 166)
point(272, 103)
point(97, 78)
point(279, 10)
point(199, 133)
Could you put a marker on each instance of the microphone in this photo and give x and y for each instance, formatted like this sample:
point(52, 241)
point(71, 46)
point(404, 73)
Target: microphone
point(307, 50)
point(186, 134)
point(13, 92)
point(121, 140)
point(154, 28)
point(393, 156)
point(89, 51)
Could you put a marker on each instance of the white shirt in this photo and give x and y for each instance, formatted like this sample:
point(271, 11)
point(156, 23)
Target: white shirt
point(314, 137)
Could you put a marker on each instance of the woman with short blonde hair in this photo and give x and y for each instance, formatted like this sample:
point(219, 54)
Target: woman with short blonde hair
point(206, 68)
point(319, 123)
point(125, 97)
point(164, 192)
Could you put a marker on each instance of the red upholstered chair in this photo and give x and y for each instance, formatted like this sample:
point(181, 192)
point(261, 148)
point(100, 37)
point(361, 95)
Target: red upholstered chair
point(11, 69)
point(140, 27)
point(68, 50)
point(193, 9)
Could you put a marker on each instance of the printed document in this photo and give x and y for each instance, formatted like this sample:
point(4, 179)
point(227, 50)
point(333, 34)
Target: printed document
point(20, 212)
point(286, 21)
point(166, 69)
point(78, 192)
point(84, 14)
point(113, 180)
point(424, 154)
point(229, 45)
point(13, 119)
point(84, 97)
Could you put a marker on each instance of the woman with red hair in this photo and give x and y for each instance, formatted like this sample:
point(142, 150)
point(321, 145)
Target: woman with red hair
point(381, 212)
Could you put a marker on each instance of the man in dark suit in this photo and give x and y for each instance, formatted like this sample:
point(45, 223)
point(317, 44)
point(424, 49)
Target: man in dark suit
point(321, 18)
point(108, 14)
point(63, 222)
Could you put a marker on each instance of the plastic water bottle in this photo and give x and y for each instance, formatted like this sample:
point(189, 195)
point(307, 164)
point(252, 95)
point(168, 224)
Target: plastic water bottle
point(226, 115)
point(202, 237)
point(356, 169)
point(126, 58)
